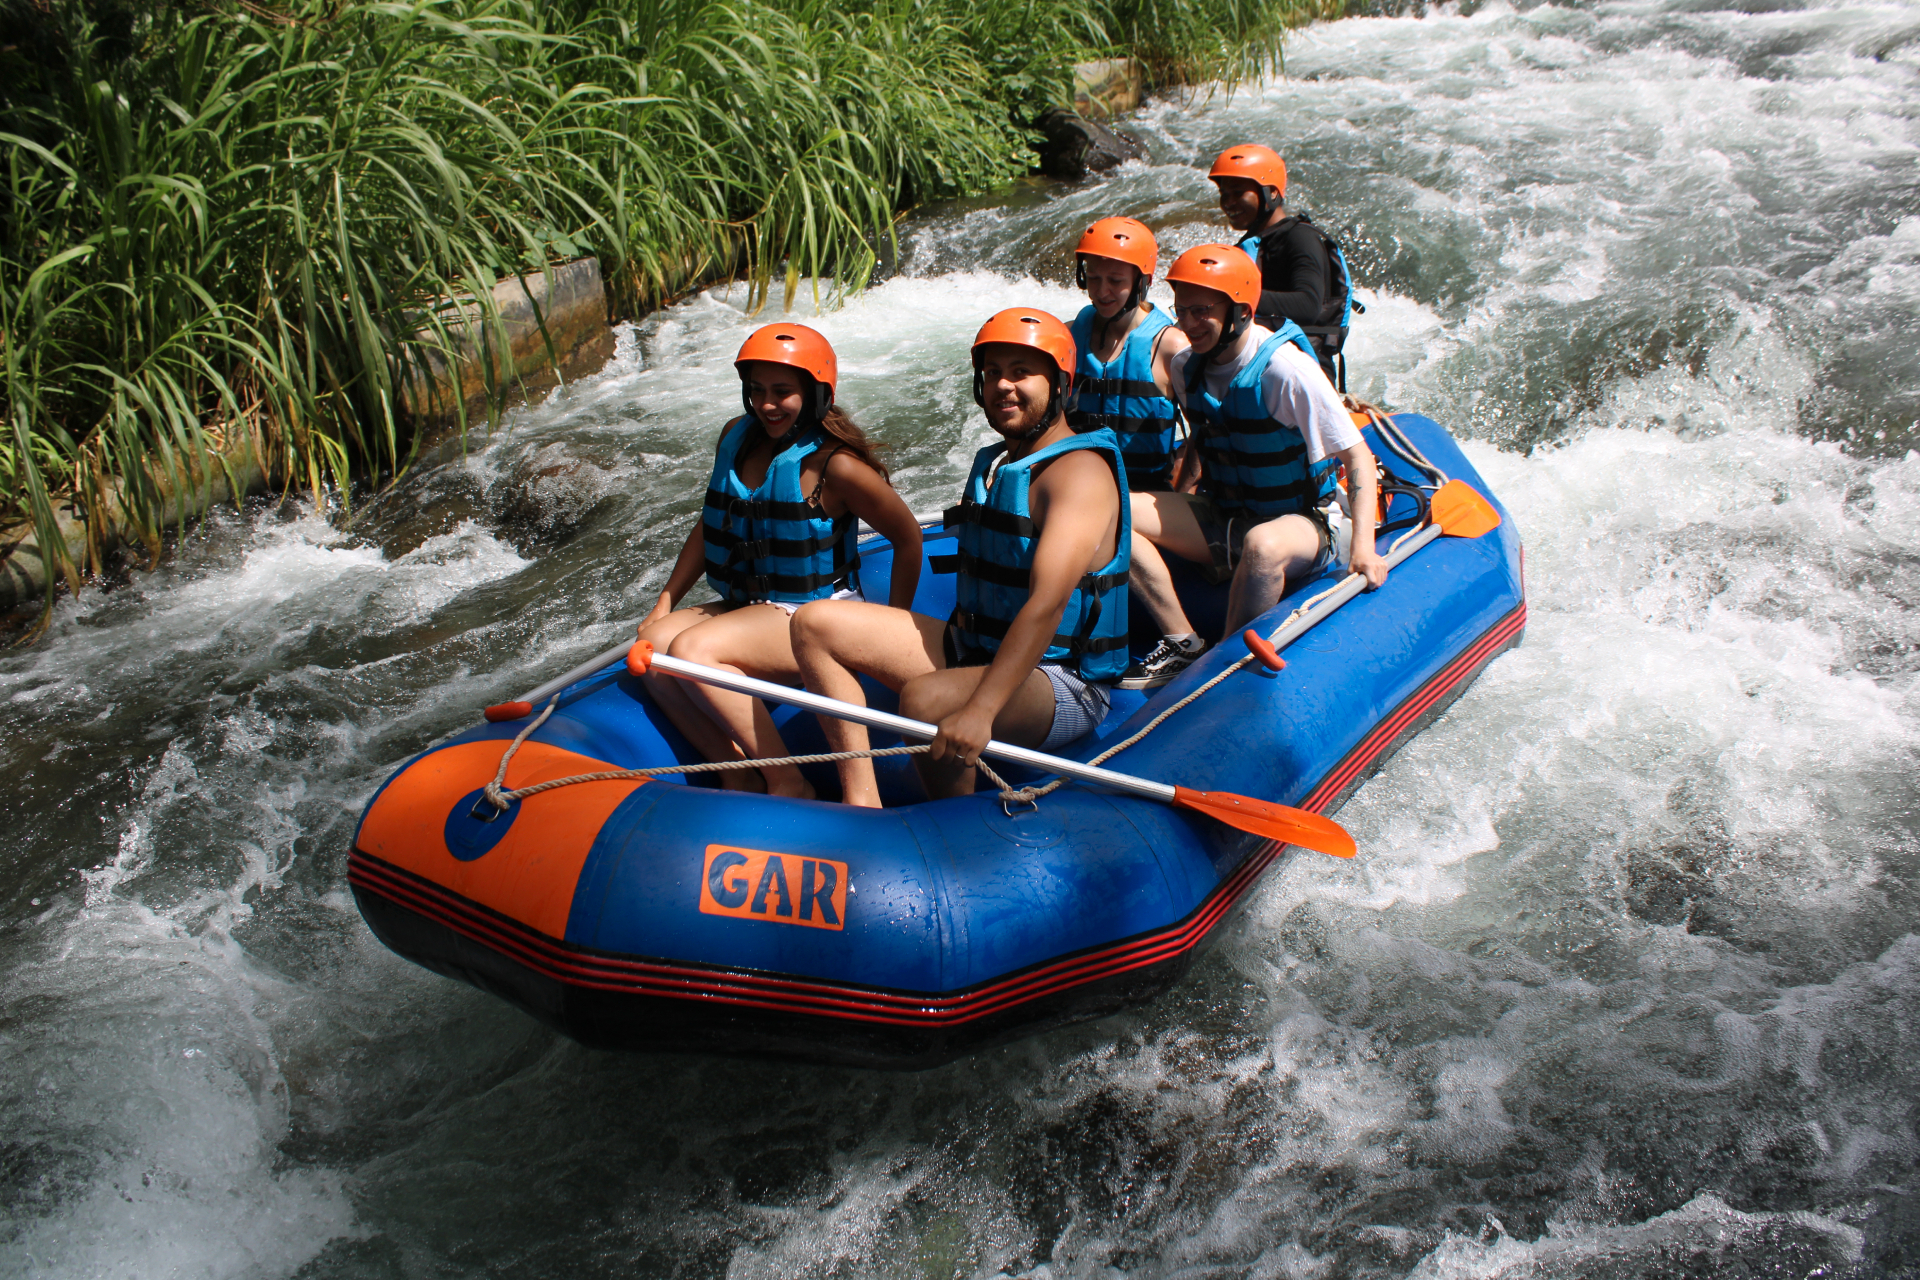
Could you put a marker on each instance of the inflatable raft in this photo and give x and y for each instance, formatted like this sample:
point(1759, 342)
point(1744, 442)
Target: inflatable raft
point(669, 914)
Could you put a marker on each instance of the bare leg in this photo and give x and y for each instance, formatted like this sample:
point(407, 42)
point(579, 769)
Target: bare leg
point(752, 641)
point(671, 696)
point(1163, 521)
point(1025, 721)
point(1274, 551)
point(835, 642)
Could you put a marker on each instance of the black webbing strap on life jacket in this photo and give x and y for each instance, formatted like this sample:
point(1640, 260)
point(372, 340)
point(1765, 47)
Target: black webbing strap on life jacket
point(1120, 387)
point(983, 625)
point(1022, 579)
point(967, 511)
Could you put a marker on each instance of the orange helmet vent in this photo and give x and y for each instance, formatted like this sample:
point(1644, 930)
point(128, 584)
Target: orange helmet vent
point(1221, 268)
point(1258, 164)
point(1025, 327)
point(1123, 240)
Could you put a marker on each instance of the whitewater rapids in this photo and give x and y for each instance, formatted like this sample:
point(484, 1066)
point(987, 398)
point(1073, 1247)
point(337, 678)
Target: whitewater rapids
point(1625, 983)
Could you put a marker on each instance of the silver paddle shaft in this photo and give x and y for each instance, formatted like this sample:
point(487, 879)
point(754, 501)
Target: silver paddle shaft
point(590, 667)
point(919, 730)
point(1351, 586)
point(906, 728)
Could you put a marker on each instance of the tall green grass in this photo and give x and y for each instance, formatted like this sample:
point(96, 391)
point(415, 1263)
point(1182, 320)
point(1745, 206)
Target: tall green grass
point(233, 221)
point(1183, 42)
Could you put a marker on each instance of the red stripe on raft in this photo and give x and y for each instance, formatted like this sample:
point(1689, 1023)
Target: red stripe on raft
point(584, 969)
point(1389, 729)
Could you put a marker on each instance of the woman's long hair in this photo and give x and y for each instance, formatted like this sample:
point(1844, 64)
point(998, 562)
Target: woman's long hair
point(837, 424)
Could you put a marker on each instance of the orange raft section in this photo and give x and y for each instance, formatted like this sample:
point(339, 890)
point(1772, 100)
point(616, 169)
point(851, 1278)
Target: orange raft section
point(531, 874)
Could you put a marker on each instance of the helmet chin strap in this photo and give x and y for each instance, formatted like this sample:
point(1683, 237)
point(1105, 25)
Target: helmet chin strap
point(813, 409)
point(1054, 393)
point(1229, 334)
point(1268, 203)
point(1047, 415)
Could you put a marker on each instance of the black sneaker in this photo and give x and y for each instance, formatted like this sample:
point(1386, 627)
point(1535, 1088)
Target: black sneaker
point(1166, 661)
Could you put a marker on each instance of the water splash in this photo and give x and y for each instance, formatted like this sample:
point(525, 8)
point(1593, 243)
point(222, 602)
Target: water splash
point(1625, 983)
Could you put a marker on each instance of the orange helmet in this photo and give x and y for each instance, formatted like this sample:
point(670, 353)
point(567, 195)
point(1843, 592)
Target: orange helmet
point(1040, 330)
point(1218, 267)
point(1026, 327)
point(1123, 240)
point(797, 347)
point(1258, 164)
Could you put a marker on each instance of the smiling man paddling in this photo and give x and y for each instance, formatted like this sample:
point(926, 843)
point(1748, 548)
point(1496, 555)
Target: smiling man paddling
point(1268, 428)
point(1040, 623)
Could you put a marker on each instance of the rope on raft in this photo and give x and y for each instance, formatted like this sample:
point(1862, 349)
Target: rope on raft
point(1028, 795)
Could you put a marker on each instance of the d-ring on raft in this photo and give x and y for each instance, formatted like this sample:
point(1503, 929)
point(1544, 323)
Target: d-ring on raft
point(653, 914)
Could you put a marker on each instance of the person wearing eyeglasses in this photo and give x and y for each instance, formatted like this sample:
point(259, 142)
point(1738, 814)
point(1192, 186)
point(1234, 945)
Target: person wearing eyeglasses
point(1267, 430)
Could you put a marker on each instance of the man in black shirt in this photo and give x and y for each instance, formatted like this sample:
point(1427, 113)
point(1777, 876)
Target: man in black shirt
point(1303, 274)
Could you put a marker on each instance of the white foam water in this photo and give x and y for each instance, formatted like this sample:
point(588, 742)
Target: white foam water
point(1624, 983)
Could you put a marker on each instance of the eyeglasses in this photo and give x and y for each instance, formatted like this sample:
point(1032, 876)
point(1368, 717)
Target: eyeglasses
point(1201, 312)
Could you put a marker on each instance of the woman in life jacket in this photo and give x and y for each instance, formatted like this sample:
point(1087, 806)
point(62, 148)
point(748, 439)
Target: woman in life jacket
point(791, 481)
point(1124, 344)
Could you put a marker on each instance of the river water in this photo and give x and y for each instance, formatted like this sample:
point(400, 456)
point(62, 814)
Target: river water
point(1626, 981)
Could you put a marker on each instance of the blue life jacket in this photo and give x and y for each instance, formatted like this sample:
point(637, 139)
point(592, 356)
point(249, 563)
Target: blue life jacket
point(995, 564)
point(770, 543)
point(1123, 397)
point(1254, 467)
point(1329, 330)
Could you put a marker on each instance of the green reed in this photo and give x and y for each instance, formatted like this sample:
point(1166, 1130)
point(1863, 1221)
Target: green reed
point(240, 222)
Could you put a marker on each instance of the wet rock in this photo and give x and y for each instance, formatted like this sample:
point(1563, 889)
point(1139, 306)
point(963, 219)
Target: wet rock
point(545, 499)
point(1663, 886)
point(1076, 146)
point(1675, 883)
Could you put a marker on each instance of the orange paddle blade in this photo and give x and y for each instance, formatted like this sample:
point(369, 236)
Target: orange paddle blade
point(1274, 821)
point(1462, 513)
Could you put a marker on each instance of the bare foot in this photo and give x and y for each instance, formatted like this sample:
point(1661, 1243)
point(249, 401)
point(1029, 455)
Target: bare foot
point(742, 780)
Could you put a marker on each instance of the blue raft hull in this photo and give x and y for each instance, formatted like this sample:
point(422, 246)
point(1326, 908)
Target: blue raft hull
point(663, 915)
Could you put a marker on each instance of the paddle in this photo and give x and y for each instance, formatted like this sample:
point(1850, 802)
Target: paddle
point(1457, 512)
point(523, 707)
point(1273, 821)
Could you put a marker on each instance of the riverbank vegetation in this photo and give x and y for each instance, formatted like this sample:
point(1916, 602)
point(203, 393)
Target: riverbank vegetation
point(231, 220)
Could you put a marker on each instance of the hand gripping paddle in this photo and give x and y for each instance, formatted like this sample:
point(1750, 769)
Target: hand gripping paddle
point(1273, 821)
point(1456, 511)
